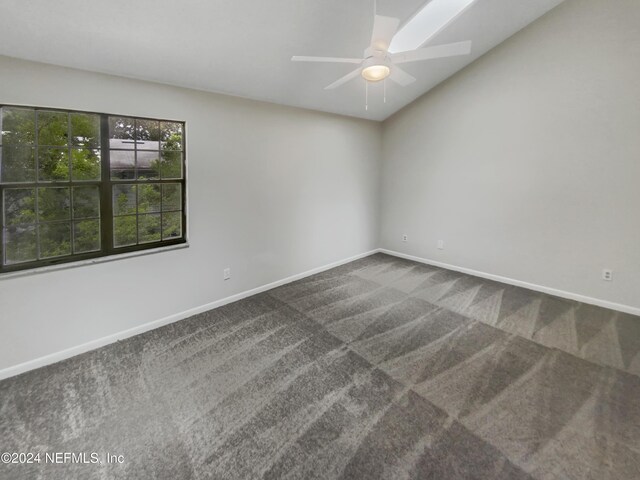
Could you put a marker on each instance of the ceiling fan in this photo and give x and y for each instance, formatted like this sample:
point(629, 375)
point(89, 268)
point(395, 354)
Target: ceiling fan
point(378, 63)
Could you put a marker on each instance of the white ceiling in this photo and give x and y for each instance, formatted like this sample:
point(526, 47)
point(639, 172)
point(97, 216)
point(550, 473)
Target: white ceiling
point(244, 47)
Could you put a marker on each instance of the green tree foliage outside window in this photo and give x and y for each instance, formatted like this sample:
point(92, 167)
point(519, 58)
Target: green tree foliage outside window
point(52, 185)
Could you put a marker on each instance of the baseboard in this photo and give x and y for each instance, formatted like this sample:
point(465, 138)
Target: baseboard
point(518, 283)
point(101, 342)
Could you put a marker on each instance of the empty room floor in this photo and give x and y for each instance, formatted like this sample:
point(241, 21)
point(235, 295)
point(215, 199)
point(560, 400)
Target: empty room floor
point(381, 368)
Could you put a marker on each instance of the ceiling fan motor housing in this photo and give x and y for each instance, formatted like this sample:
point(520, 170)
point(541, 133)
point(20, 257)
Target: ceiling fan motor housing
point(376, 53)
point(371, 61)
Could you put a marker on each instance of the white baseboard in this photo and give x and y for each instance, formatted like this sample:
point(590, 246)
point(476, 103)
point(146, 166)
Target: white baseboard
point(101, 342)
point(518, 283)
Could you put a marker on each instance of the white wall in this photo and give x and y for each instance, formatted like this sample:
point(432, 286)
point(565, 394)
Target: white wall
point(527, 163)
point(273, 191)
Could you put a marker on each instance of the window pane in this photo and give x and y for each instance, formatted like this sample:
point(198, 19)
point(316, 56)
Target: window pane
point(171, 225)
point(171, 197)
point(171, 136)
point(148, 198)
point(86, 236)
point(20, 244)
point(122, 133)
point(147, 135)
point(55, 239)
point(19, 206)
point(18, 126)
point(125, 231)
point(86, 202)
point(53, 164)
point(149, 228)
point(122, 175)
point(85, 164)
point(85, 130)
point(148, 165)
point(53, 204)
point(18, 164)
point(124, 199)
point(122, 164)
point(53, 128)
point(171, 165)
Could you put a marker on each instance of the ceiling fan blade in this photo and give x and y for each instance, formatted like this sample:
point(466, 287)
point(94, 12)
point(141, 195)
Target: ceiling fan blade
point(401, 77)
point(325, 59)
point(384, 28)
point(343, 80)
point(439, 51)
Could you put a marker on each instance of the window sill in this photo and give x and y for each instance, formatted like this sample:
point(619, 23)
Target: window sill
point(92, 261)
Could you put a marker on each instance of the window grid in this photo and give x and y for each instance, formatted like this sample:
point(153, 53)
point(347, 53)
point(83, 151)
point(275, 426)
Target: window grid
point(105, 218)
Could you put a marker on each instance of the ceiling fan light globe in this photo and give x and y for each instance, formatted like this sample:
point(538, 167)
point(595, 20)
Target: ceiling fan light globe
point(375, 73)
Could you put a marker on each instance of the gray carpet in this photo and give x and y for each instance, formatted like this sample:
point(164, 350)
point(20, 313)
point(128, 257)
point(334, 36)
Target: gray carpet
point(382, 368)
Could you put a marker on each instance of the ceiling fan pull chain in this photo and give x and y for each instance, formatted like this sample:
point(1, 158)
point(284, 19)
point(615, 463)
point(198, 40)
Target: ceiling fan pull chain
point(366, 95)
point(384, 89)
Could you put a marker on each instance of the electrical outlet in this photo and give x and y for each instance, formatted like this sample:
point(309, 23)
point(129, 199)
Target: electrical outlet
point(226, 274)
point(607, 275)
point(405, 238)
point(440, 244)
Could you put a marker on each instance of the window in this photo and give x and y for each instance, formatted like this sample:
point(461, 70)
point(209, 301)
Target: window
point(77, 185)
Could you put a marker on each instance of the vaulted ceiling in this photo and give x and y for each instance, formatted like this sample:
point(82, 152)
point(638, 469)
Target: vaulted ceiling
point(244, 47)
